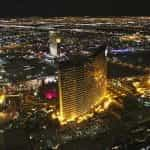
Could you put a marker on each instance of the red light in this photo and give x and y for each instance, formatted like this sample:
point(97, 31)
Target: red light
point(50, 94)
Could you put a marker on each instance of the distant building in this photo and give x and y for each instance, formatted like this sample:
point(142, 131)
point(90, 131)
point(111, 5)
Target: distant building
point(53, 43)
point(82, 82)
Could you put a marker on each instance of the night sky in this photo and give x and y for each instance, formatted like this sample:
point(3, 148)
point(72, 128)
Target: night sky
point(22, 8)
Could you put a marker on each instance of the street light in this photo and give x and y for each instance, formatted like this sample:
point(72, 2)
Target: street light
point(58, 40)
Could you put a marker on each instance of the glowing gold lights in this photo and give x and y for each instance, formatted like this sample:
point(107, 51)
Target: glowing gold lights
point(148, 81)
point(102, 105)
point(142, 87)
point(107, 104)
point(81, 85)
point(134, 37)
point(2, 99)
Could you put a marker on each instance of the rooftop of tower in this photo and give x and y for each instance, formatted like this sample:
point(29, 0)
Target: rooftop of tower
point(80, 57)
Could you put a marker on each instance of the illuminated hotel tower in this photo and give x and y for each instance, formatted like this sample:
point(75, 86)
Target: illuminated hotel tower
point(82, 82)
point(53, 43)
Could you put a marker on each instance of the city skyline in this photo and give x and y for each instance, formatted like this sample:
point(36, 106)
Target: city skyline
point(74, 83)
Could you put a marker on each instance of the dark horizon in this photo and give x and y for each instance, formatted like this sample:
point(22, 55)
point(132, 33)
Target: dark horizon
point(48, 8)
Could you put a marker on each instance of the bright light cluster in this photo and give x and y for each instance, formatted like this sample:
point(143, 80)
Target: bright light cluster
point(142, 87)
point(103, 105)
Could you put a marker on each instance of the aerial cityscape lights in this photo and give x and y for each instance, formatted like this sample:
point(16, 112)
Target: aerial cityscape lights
point(118, 109)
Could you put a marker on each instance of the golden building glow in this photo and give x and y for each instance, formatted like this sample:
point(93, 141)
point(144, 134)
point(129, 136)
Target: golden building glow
point(82, 84)
point(143, 86)
point(71, 92)
point(2, 99)
point(60, 98)
point(148, 81)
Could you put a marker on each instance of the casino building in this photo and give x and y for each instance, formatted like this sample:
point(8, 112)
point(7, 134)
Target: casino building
point(82, 82)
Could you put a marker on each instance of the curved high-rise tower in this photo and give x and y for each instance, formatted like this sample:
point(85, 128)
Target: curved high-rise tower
point(82, 82)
